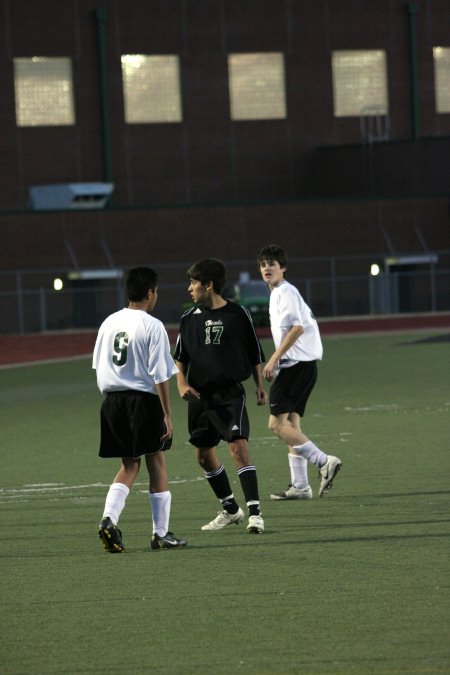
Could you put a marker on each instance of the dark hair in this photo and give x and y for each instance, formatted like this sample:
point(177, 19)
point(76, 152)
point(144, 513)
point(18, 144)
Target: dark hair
point(209, 269)
point(272, 252)
point(139, 281)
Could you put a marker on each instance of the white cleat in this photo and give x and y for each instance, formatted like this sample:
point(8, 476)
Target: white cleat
point(255, 525)
point(328, 472)
point(223, 519)
point(293, 493)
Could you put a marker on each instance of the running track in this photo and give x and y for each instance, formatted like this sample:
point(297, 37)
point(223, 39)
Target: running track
point(17, 349)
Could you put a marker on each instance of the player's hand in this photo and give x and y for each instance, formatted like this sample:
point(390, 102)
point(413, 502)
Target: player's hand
point(261, 396)
point(188, 392)
point(169, 428)
point(269, 370)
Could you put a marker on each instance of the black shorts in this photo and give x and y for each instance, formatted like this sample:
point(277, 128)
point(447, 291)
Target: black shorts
point(292, 387)
point(131, 424)
point(220, 414)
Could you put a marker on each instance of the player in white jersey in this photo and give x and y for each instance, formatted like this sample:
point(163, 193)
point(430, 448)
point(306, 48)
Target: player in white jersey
point(133, 366)
point(292, 369)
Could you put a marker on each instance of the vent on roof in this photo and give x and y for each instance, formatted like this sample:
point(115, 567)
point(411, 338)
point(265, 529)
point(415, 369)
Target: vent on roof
point(70, 196)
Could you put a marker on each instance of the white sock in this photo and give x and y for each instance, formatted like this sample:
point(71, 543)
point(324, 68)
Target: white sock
point(115, 501)
point(160, 503)
point(311, 453)
point(299, 471)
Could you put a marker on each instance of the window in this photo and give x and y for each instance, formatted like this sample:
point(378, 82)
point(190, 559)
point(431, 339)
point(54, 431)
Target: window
point(151, 87)
point(359, 83)
point(44, 91)
point(257, 86)
point(441, 57)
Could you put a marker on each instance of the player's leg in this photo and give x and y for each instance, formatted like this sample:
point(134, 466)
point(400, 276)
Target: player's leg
point(205, 437)
point(230, 422)
point(299, 487)
point(160, 501)
point(128, 472)
point(289, 389)
point(115, 441)
point(247, 475)
point(159, 494)
point(290, 393)
point(118, 492)
point(217, 477)
point(285, 427)
point(328, 465)
point(302, 446)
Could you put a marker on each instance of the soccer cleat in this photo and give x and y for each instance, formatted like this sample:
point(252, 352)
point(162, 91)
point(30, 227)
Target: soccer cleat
point(255, 525)
point(293, 493)
point(111, 536)
point(168, 541)
point(223, 519)
point(328, 472)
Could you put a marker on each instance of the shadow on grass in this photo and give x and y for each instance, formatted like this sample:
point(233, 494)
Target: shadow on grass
point(434, 339)
point(388, 495)
point(261, 541)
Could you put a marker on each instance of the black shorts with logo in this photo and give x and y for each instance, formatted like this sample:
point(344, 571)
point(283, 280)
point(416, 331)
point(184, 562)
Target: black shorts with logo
point(292, 387)
point(131, 424)
point(220, 413)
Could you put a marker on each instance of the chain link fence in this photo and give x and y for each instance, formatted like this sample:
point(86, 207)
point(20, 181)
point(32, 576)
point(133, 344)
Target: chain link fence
point(65, 299)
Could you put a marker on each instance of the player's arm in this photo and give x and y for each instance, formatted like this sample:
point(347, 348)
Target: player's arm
point(164, 396)
point(289, 339)
point(184, 388)
point(261, 394)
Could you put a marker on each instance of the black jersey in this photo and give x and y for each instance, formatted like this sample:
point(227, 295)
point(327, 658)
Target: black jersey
point(219, 346)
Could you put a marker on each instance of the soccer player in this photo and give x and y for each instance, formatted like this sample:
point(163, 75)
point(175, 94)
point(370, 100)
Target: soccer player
point(217, 349)
point(133, 366)
point(293, 370)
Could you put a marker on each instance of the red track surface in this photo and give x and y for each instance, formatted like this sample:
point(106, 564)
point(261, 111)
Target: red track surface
point(16, 349)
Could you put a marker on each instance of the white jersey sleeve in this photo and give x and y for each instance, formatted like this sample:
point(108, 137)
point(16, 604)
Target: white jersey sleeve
point(161, 366)
point(132, 351)
point(287, 308)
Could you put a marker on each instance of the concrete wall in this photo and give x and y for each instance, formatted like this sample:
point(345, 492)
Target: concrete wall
point(175, 236)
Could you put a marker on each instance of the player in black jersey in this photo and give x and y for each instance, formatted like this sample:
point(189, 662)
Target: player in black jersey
point(217, 349)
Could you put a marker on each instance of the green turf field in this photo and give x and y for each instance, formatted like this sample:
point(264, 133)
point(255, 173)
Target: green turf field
point(356, 582)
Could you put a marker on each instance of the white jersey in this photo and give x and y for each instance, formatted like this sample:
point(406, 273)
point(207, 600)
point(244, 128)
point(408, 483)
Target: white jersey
point(287, 308)
point(132, 351)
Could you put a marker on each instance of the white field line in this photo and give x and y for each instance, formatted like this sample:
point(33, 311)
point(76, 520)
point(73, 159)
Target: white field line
point(373, 408)
point(58, 488)
point(60, 359)
point(53, 489)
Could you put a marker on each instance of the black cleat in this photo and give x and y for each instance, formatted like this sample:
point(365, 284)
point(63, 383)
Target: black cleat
point(111, 536)
point(168, 541)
